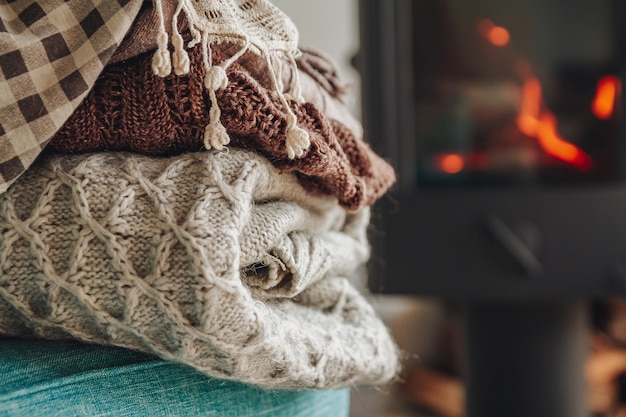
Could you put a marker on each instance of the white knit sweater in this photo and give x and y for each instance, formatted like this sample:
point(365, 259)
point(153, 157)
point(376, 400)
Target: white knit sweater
point(215, 260)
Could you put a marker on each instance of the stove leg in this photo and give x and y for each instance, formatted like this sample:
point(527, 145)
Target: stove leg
point(525, 359)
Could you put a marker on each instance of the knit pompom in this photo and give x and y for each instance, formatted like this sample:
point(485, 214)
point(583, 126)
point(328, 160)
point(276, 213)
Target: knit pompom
point(215, 136)
point(161, 63)
point(297, 140)
point(215, 78)
point(180, 57)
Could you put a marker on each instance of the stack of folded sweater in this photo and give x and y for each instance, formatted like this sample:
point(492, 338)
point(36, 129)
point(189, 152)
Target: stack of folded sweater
point(212, 216)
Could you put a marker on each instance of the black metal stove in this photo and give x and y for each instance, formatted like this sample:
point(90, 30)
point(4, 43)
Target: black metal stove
point(504, 120)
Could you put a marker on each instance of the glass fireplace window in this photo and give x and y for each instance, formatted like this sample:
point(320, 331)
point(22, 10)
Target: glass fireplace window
point(515, 92)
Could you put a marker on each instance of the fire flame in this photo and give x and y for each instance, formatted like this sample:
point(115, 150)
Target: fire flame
point(496, 35)
point(533, 120)
point(541, 125)
point(608, 89)
point(451, 163)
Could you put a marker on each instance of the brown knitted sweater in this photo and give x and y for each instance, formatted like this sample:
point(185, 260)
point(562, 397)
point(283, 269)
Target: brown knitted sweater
point(132, 109)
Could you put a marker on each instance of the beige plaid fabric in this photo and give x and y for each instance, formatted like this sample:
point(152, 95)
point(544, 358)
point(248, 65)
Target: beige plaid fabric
point(51, 52)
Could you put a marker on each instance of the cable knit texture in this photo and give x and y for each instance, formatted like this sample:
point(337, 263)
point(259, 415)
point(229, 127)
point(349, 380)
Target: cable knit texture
point(130, 108)
point(212, 259)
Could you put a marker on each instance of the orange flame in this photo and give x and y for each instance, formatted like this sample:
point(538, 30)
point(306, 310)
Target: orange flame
point(532, 122)
point(451, 163)
point(497, 35)
point(608, 88)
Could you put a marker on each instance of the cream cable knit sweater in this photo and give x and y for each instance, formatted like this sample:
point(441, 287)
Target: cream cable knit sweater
point(215, 260)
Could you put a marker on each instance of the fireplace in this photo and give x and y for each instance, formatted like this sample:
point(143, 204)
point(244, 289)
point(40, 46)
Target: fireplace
point(515, 93)
point(504, 119)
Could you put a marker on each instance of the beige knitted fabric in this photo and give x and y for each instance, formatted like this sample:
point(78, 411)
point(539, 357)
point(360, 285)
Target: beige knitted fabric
point(215, 260)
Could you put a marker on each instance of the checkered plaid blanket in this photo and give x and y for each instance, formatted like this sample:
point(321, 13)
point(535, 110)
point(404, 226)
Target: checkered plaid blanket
point(51, 52)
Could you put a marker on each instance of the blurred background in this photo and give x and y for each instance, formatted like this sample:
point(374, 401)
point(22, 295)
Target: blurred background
point(500, 256)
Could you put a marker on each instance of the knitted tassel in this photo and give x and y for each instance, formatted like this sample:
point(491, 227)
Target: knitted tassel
point(215, 134)
point(161, 63)
point(180, 58)
point(296, 89)
point(297, 140)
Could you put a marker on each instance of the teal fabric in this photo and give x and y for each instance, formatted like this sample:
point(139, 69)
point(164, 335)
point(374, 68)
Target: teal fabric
point(39, 378)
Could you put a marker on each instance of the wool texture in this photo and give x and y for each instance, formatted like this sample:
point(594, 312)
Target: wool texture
point(255, 26)
point(323, 70)
point(212, 259)
point(318, 75)
point(142, 38)
point(51, 52)
point(131, 109)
